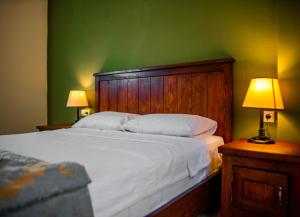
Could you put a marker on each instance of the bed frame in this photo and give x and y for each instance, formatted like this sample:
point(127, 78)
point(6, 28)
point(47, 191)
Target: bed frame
point(202, 88)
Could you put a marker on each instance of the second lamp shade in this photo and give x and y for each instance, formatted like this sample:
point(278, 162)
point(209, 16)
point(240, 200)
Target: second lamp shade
point(264, 93)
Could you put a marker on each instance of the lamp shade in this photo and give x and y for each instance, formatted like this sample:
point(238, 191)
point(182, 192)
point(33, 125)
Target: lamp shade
point(77, 98)
point(264, 93)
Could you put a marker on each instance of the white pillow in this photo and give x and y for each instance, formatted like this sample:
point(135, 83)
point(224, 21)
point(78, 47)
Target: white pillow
point(172, 124)
point(105, 120)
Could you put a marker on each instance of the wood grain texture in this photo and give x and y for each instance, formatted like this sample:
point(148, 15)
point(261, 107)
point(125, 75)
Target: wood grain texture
point(255, 189)
point(97, 93)
point(133, 95)
point(53, 127)
point(184, 93)
point(122, 92)
point(104, 95)
point(226, 181)
point(281, 150)
point(157, 94)
point(113, 97)
point(228, 109)
point(144, 95)
point(199, 94)
point(253, 176)
point(216, 99)
point(202, 88)
point(204, 196)
point(170, 94)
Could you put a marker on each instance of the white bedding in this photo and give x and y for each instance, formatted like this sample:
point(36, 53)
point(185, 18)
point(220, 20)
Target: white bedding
point(124, 167)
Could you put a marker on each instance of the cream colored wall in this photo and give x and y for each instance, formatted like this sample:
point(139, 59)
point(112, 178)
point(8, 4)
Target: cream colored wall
point(23, 65)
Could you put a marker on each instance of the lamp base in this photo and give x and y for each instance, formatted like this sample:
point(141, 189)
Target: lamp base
point(77, 114)
point(261, 140)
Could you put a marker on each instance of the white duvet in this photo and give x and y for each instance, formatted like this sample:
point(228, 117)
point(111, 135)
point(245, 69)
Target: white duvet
point(124, 167)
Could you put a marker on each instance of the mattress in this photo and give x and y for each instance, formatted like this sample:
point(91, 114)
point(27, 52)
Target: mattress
point(163, 196)
point(132, 174)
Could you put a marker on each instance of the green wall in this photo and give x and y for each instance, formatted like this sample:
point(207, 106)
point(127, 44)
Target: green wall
point(87, 36)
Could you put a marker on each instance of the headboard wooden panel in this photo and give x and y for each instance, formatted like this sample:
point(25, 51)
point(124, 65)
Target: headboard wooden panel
point(203, 88)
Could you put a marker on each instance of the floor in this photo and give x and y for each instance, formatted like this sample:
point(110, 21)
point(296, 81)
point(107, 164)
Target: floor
point(210, 215)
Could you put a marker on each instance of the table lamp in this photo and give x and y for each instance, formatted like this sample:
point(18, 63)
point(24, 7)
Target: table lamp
point(263, 93)
point(77, 98)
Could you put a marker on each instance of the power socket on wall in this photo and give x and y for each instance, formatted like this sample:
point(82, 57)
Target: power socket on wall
point(269, 116)
point(85, 112)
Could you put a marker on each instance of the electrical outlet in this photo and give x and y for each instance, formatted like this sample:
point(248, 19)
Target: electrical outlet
point(269, 116)
point(85, 112)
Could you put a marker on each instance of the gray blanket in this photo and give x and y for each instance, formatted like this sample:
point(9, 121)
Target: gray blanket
point(25, 181)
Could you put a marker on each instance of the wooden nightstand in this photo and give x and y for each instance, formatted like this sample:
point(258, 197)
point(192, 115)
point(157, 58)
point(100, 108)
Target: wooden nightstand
point(260, 180)
point(53, 127)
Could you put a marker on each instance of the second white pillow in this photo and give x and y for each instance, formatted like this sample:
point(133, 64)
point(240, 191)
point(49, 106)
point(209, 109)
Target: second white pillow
point(172, 124)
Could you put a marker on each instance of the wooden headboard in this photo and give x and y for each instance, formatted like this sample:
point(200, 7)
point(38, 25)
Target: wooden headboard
point(202, 88)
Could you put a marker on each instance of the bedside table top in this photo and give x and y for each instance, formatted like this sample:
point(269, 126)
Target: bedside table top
point(280, 151)
point(53, 126)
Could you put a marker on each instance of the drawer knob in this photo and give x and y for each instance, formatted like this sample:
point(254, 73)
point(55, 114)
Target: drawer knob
point(280, 189)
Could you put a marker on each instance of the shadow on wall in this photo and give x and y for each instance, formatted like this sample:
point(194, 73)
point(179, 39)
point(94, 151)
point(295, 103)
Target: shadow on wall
point(289, 118)
point(289, 69)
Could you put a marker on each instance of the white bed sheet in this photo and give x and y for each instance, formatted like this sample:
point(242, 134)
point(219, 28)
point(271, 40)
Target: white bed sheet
point(164, 195)
point(125, 168)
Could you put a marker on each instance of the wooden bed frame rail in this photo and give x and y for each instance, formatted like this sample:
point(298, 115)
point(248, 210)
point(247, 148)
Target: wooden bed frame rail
point(203, 197)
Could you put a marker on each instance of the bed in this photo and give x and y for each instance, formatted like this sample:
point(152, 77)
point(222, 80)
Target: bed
point(160, 183)
point(202, 88)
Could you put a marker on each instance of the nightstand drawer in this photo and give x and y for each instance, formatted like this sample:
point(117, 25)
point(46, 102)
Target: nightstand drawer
point(259, 191)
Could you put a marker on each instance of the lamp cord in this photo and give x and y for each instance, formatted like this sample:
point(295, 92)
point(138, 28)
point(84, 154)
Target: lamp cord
point(267, 130)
